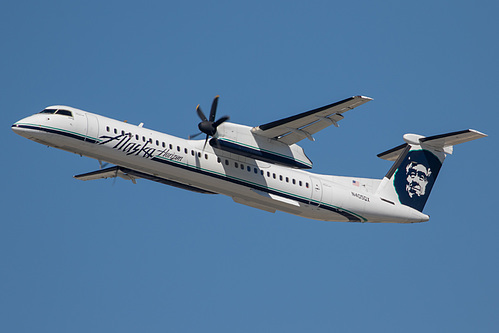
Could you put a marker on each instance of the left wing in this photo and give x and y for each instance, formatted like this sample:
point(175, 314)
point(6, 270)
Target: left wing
point(295, 128)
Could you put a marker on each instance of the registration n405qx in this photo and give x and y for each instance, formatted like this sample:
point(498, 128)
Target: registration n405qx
point(262, 166)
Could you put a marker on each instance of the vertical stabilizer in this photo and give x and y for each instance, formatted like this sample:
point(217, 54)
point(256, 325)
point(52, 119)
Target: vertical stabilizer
point(417, 164)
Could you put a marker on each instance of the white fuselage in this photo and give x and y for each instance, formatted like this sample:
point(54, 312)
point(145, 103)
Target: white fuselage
point(248, 181)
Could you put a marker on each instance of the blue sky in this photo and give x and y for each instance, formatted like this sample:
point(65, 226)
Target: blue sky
point(97, 256)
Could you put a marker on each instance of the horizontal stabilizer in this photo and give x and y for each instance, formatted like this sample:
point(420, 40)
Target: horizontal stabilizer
point(392, 154)
point(442, 142)
point(451, 139)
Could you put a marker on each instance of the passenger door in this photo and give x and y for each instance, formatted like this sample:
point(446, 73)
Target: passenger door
point(92, 134)
point(316, 196)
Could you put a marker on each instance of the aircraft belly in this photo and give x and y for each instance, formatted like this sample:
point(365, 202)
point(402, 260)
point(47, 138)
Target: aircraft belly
point(216, 178)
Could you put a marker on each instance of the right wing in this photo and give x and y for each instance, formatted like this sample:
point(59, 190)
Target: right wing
point(133, 175)
point(111, 172)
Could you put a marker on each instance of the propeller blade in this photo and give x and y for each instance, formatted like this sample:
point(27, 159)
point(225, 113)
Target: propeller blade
point(209, 127)
point(220, 121)
point(200, 113)
point(115, 175)
point(205, 141)
point(214, 105)
point(102, 164)
point(190, 137)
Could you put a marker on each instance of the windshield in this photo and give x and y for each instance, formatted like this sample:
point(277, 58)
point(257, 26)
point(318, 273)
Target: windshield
point(58, 111)
point(51, 111)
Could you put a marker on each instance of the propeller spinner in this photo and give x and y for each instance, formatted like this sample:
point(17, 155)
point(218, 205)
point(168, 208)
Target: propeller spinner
point(209, 126)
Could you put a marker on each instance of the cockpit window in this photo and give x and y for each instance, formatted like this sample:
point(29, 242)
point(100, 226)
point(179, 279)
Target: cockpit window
point(58, 111)
point(64, 112)
point(51, 111)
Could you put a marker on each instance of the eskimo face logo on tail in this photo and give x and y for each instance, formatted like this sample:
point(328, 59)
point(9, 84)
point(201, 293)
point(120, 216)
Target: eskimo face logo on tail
point(415, 177)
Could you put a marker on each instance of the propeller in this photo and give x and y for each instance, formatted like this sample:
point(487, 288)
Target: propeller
point(209, 126)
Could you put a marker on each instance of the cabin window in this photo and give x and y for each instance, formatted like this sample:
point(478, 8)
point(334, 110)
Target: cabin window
point(261, 172)
point(294, 181)
point(163, 144)
point(280, 178)
point(136, 136)
point(255, 170)
point(192, 152)
point(248, 168)
point(242, 166)
point(178, 148)
point(219, 160)
point(171, 146)
point(150, 140)
point(205, 156)
point(287, 180)
point(157, 142)
point(199, 154)
point(107, 128)
point(115, 131)
point(300, 183)
point(306, 185)
point(122, 132)
point(236, 164)
point(226, 162)
point(268, 174)
point(273, 175)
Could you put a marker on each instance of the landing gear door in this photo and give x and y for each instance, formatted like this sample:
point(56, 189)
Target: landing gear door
point(92, 134)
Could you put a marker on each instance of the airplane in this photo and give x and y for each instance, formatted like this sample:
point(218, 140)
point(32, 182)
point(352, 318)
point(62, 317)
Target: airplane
point(261, 166)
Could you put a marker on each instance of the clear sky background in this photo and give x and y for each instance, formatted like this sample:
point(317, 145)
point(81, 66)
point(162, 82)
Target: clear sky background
point(101, 257)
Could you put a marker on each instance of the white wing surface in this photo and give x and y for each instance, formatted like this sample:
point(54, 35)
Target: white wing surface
point(296, 128)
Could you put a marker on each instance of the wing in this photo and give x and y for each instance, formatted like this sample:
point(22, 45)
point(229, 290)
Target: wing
point(129, 174)
point(295, 128)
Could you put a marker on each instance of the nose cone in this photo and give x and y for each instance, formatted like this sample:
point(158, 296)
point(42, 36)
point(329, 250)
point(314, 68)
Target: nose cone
point(24, 127)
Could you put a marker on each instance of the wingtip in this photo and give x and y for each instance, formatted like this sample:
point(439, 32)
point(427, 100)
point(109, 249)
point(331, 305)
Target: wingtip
point(478, 133)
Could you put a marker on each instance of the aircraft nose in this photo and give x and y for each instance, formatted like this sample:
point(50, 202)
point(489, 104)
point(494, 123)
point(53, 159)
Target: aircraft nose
point(23, 127)
point(16, 127)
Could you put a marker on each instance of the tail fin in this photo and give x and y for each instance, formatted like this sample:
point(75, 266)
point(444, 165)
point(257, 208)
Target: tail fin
point(416, 167)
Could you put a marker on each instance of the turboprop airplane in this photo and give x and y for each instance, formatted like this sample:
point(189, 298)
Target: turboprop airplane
point(262, 166)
